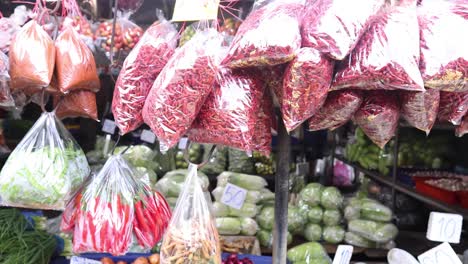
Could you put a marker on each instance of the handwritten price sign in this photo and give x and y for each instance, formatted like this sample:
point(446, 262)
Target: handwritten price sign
point(192, 10)
point(443, 227)
point(233, 196)
point(442, 254)
point(343, 254)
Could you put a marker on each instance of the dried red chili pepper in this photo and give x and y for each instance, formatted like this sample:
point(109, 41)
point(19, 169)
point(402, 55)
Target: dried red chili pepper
point(182, 87)
point(305, 86)
point(330, 27)
point(338, 109)
point(273, 78)
point(387, 56)
point(378, 116)
point(462, 129)
point(77, 104)
point(453, 107)
point(420, 109)
point(265, 123)
point(138, 73)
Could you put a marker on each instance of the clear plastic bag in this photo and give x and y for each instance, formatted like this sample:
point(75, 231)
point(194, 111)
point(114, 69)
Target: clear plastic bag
point(269, 36)
point(139, 71)
point(55, 168)
point(420, 109)
point(10, 25)
point(77, 104)
point(182, 87)
point(331, 28)
point(72, 17)
point(239, 161)
point(387, 56)
point(309, 253)
point(338, 109)
point(32, 59)
point(444, 56)
point(453, 107)
point(305, 86)
point(333, 234)
point(6, 100)
point(374, 231)
point(217, 162)
point(462, 129)
point(192, 236)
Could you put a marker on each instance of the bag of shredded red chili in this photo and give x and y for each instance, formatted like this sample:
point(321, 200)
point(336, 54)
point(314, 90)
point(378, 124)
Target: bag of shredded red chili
point(182, 87)
point(338, 109)
point(139, 71)
point(462, 129)
point(387, 56)
point(305, 86)
point(32, 59)
point(378, 116)
point(76, 104)
point(444, 52)
point(453, 107)
point(269, 36)
point(264, 125)
point(420, 109)
point(273, 78)
point(333, 29)
point(72, 17)
point(6, 100)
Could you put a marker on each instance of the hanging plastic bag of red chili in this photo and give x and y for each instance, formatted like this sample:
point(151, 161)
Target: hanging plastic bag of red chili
point(387, 56)
point(139, 71)
point(444, 53)
point(182, 87)
point(420, 109)
point(114, 205)
point(378, 116)
point(453, 107)
point(269, 36)
point(330, 27)
point(338, 109)
point(265, 123)
point(72, 17)
point(76, 68)
point(32, 59)
point(305, 86)
point(462, 129)
point(76, 104)
point(6, 100)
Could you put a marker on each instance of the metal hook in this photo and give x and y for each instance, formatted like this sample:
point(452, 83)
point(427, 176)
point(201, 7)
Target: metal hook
point(186, 155)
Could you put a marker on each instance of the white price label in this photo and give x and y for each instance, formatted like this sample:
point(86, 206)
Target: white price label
point(183, 143)
point(443, 227)
point(190, 10)
point(343, 254)
point(109, 126)
point(148, 136)
point(78, 260)
point(233, 196)
point(442, 254)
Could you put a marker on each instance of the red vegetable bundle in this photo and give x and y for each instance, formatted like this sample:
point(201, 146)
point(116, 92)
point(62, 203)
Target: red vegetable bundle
point(77, 104)
point(453, 107)
point(462, 129)
point(444, 53)
point(305, 86)
point(420, 108)
point(269, 36)
point(182, 87)
point(138, 73)
point(339, 107)
point(333, 29)
point(378, 116)
point(387, 56)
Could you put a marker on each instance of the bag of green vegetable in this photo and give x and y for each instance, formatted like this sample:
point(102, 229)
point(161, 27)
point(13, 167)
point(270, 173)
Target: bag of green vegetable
point(220, 209)
point(247, 210)
point(148, 176)
point(331, 217)
point(45, 169)
point(296, 221)
point(138, 156)
point(311, 252)
point(315, 215)
point(246, 181)
point(248, 226)
point(374, 231)
point(266, 195)
point(373, 210)
point(358, 241)
point(312, 193)
point(228, 225)
point(251, 196)
point(331, 198)
point(266, 218)
point(171, 184)
point(333, 234)
point(217, 162)
point(239, 161)
point(265, 237)
point(313, 232)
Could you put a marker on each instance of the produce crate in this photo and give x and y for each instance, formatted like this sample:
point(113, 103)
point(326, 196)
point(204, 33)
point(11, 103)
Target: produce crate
point(446, 196)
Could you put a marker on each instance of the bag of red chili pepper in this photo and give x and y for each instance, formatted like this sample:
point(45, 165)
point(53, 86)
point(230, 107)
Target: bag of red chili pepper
point(269, 36)
point(338, 109)
point(462, 129)
point(378, 116)
point(420, 109)
point(444, 53)
point(182, 87)
point(139, 71)
point(6, 100)
point(453, 107)
point(113, 207)
point(333, 29)
point(265, 123)
point(305, 86)
point(76, 104)
point(72, 17)
point(387, 56)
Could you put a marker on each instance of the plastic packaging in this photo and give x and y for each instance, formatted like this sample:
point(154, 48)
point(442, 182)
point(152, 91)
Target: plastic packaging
point(6, 100)
point(329, 27)
point(252, 197)
point(192, 236)
point(444, 57)
point(228, 225)
point(420, 109)
point(77, 104)
point(239, 161)
point(387, 56)
point(182, 87)
point(312, 194)
point(55, 167)
point(220, 209)
point(246, 181)
point(313, 232)
point(32, 59)
point(72, 17)
point(139, 71)
point(331, 217)
point(374, 231)
point(338, 109)
point(331, 198)
point(248, 226)
point(305, 86)
point(247, 210)
point(373, 210)
point(296, 221)
point(311, 252)
point(266, 217)
point(333, 234)
point(453, 107)
point(171, 184)
point(462, 129)
point(378, 117)
point(9, 26)
point(269, 36)
point(315, 215)
point(217, 162)
point(358, 241)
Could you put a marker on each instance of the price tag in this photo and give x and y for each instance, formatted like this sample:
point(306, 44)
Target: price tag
point(78, 260)
point(442, 254)
point(183, 143)
point(233, 196)
point(191, 10)
point(443, 227)
point(148, 136)
point(109, 126)
point(343, 254)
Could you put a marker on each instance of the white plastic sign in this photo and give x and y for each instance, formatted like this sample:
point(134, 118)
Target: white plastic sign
point(191, 10)
point(109, 126)
point(442, 254)
point(183, 143)
point(343, 254)
point(233, 196)
point(78, 260)
point(148, 136)
point(443, 227)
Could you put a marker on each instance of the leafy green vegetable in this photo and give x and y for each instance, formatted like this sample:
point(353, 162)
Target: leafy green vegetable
point(246, 181)
point(228, 225)
point(313, 232)
point(217, 162)
point(296, 221)
point(311, 194)
point(333, 234)
point(374, 231)
point(307, 252)
point(172, 182)
point(331, 198)
point(251, 196)
point(266, 217)
point(248, 226)
point(331, 217)
point(220, 209)
point(315, 214)
point(240, 162)
point(373, 210)
point(247, 210)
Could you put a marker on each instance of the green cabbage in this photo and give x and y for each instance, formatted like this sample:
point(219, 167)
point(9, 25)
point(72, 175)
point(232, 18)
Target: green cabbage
point(265, 237)
point(315, 215)
point(308, 252)
point(266, 217)
point(220, 209)
point(139, 156)
point(247, 210)
point(171, 184)
point(331, 198)
point(228, 225)
point(331, 217)
point(248, 226)
point(311, 194)
point(313, 232)
point(296, 221)
point(333, 234)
